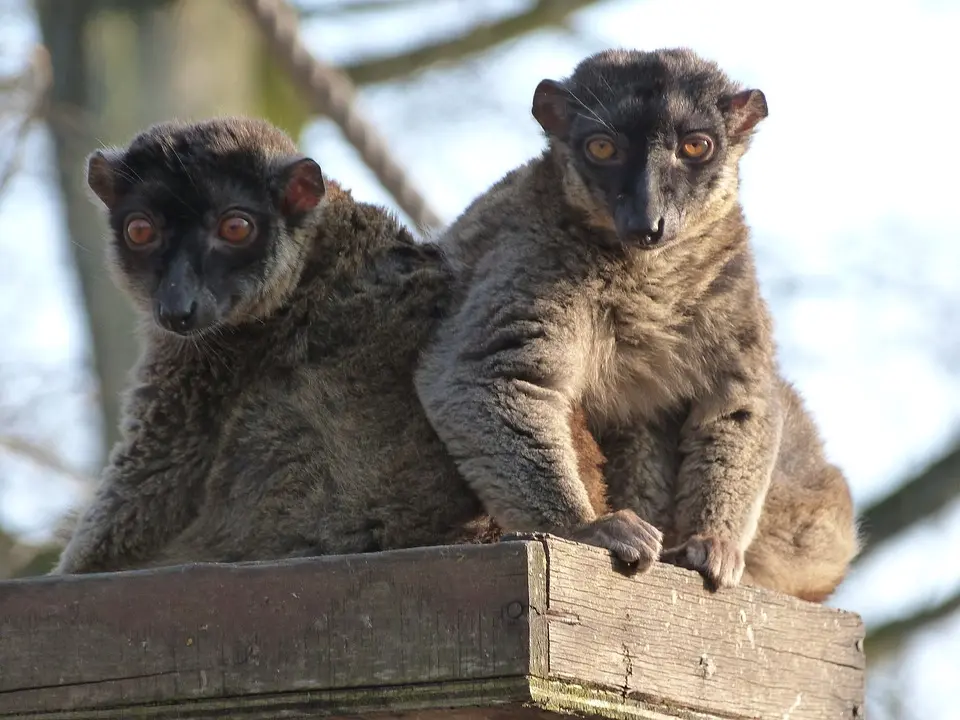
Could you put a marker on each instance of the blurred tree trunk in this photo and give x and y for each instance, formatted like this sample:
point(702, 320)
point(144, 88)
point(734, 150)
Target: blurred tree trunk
point(119, 65)
point(109, 317)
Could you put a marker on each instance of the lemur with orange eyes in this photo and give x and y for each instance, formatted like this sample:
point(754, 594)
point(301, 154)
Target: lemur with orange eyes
point(273, 412)
point(614, 273)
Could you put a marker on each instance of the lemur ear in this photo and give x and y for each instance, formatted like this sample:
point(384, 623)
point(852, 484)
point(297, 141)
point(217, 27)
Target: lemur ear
point(551, 108)
point(744, 110)
point(303, 188)
point(102, 174)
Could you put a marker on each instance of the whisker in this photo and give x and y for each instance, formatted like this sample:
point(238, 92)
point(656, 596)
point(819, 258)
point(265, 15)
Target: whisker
point(185, 171)
point(126, 176)
point(592, 112)
point(131, 170)
point(599, 102)
point(604, 81)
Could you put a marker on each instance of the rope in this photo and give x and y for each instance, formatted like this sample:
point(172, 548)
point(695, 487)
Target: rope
point(330, 92)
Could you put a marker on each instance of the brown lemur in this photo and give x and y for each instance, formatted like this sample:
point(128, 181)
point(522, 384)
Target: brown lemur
point(615, 272)
point(273, 412)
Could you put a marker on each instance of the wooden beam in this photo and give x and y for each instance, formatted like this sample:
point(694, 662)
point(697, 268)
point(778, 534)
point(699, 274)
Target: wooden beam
point(523, 629)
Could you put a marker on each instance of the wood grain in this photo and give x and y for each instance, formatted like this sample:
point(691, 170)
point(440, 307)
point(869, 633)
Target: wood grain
point(663, 638)
point(225, 631)
point(527, 629)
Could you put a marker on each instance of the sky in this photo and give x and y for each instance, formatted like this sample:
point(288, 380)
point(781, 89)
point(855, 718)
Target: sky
point(850, 188)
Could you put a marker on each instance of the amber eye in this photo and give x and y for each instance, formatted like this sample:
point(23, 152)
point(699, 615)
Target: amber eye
point(235, 229)
point(601, 148)
point(697, 147)
point(139, 231)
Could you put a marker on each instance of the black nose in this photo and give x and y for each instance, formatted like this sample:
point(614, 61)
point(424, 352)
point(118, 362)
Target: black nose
point(179, 319)
point(646, 232)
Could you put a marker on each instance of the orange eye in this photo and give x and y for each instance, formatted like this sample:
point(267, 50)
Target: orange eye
point(697, 147)
point(601, 147)
point(139, 231)
point(235, 229)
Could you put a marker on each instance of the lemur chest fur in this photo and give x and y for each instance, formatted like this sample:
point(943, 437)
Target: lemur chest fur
point(650, 354)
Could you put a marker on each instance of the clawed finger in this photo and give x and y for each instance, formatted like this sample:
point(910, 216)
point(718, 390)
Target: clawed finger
point(636, 550)
point(683, 556)
point(681, 559)
point(714, 567)
point(720, 563)
point(625, 553)
point(639, 551)
point(629, 539)
point(650, 535)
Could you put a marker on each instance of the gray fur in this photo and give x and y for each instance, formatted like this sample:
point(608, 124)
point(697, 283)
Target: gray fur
point(291, 427)
point(628, 287)
point(285, 422)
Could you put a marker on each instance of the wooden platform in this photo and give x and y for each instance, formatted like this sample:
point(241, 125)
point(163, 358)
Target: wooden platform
point(524, 629)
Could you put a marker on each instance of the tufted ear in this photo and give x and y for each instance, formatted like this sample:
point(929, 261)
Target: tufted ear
point(302, 186)
point(551, 108)
point(744, 110)
point(102, 175)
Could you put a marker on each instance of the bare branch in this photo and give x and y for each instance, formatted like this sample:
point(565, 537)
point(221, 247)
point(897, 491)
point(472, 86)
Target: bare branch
point(358, 8)
point(331, 93)
point(43, 457)
point(35, 80)
point(885, 639)
point(922, 496)
point(17, 143)
point(479, 39)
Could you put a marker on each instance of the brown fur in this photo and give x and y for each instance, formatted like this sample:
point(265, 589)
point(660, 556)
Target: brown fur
point(590, 461)
point(292, 427)
point(664, 341)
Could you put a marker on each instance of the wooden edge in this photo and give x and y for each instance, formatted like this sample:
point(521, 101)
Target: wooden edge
point(445, 698)
point(545, 684)
point(402, 628)
point(538, 584)
point(565, 698)
point(514, 697)
point(741, 592)
point(659, 644)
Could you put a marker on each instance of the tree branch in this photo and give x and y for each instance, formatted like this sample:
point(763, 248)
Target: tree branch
point(918, 498)
point(43, 457)
point(35, 80)
point(359, 7)
point(885, 639)
point(479, 39)
point(329, 92)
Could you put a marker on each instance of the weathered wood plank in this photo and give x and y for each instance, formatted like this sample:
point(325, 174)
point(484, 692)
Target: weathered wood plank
point(222, 631)
point(660, 637)
point(522, 630)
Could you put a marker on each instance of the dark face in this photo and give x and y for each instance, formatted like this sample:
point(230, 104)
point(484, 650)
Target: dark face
point(203, 217)
point(654, 137)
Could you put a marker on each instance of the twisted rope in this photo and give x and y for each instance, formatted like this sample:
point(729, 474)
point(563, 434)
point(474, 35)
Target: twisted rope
point(330, 92)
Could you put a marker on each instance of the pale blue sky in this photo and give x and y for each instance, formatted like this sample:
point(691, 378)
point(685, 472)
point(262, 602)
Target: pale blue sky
point(850, 188)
